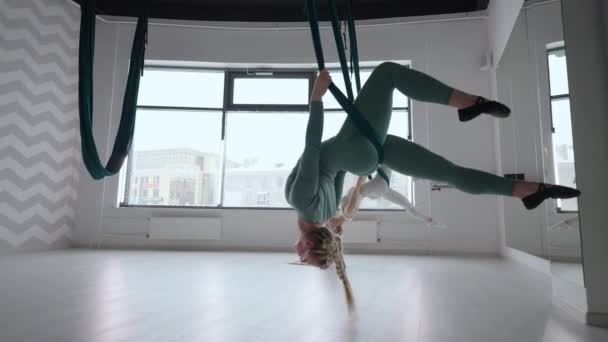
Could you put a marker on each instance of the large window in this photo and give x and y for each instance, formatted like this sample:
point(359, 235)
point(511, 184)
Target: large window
point(230, 138)
point(176, 158)
point(563, 150)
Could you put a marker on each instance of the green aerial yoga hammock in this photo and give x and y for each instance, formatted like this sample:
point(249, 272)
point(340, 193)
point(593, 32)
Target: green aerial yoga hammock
point(347, 103)
point(354, 52)
point(124, 137)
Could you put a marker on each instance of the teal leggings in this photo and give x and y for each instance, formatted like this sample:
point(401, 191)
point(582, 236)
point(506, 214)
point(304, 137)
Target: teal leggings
point(354, 153)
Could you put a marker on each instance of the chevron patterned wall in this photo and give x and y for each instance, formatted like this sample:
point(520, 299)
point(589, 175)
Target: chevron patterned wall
point(39, 142)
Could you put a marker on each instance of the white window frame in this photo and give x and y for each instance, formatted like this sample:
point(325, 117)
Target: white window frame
point(230, 75)
point(566, 96)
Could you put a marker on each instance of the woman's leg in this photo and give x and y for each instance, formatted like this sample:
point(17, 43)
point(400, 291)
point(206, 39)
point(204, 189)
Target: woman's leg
point(411, 159)
point(375, 101)
point(414, 160)
point(389, 76)
point(376, 97)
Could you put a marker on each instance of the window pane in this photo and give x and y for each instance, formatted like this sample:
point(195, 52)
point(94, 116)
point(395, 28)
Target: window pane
point(260, 157)
point(563, 150)
point(333, 122)
point(284, 91)
point(399, 100)
point(400, 125)
point(261, 150)
point(558, 73)
point(177, 158)
point(181, 88)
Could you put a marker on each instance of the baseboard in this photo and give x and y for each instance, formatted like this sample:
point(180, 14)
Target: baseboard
point(572, 295)
point(278, 249)
point(532, 261)
point(561, 258)
point(597, 319)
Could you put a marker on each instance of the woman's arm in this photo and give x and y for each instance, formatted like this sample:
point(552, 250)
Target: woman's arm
point(350, 207)
point(306, 179)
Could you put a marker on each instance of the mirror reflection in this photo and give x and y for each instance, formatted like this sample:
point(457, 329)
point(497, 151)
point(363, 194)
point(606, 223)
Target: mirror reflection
point(536, 142)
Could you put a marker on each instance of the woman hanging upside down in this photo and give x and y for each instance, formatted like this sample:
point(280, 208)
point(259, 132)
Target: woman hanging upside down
point(314, 187)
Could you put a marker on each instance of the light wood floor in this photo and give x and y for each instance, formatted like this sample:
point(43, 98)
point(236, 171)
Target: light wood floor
point(95, 296)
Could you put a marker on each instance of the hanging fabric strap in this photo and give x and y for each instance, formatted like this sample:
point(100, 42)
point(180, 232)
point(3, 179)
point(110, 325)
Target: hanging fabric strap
point(335, 22)
point(352, 35)
point(346, 103)
point(124, 136)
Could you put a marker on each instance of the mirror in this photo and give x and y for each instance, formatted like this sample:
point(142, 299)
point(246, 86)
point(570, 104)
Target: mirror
point(536, 141)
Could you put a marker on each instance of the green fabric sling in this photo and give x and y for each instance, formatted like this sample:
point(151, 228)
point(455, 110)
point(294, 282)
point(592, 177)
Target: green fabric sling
point(124, 136)
point(346, 103)
point(354, 51)
point(335, 23)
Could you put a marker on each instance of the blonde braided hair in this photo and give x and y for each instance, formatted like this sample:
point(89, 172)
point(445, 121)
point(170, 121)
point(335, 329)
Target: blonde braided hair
point(327, 250)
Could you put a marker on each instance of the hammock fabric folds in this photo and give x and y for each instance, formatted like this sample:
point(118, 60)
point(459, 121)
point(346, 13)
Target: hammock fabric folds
point(124, 136)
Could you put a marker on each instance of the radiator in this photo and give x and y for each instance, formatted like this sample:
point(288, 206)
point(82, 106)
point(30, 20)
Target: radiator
point(184, 228)
point(360, 232)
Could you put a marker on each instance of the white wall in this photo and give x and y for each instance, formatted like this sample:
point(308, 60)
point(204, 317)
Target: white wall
point(38, 124)
point(523, 84)
point(502, 15)
point(515, 88)
point(586, 34)
point(452, 48)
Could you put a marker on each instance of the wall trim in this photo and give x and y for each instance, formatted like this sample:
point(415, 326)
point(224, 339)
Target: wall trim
point(276, 26)
point(130, 242)
point(284, 249)
point(572, 296)
point(534, 262)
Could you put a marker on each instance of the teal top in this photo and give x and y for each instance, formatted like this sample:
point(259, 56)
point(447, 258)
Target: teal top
point(313, 188)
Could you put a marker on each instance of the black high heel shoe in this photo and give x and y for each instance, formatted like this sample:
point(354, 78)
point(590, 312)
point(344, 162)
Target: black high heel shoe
point(484, 106)
point(548, 191)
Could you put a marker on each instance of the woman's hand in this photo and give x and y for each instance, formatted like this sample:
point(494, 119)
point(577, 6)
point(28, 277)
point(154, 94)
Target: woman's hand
point(321, 84)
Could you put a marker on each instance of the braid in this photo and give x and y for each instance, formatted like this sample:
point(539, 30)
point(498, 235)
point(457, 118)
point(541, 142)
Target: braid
point(338, 257)
point(328, 249)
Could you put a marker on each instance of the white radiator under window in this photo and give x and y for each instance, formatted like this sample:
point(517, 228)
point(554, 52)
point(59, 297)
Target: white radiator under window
point(360, 232)
point(184, 228)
